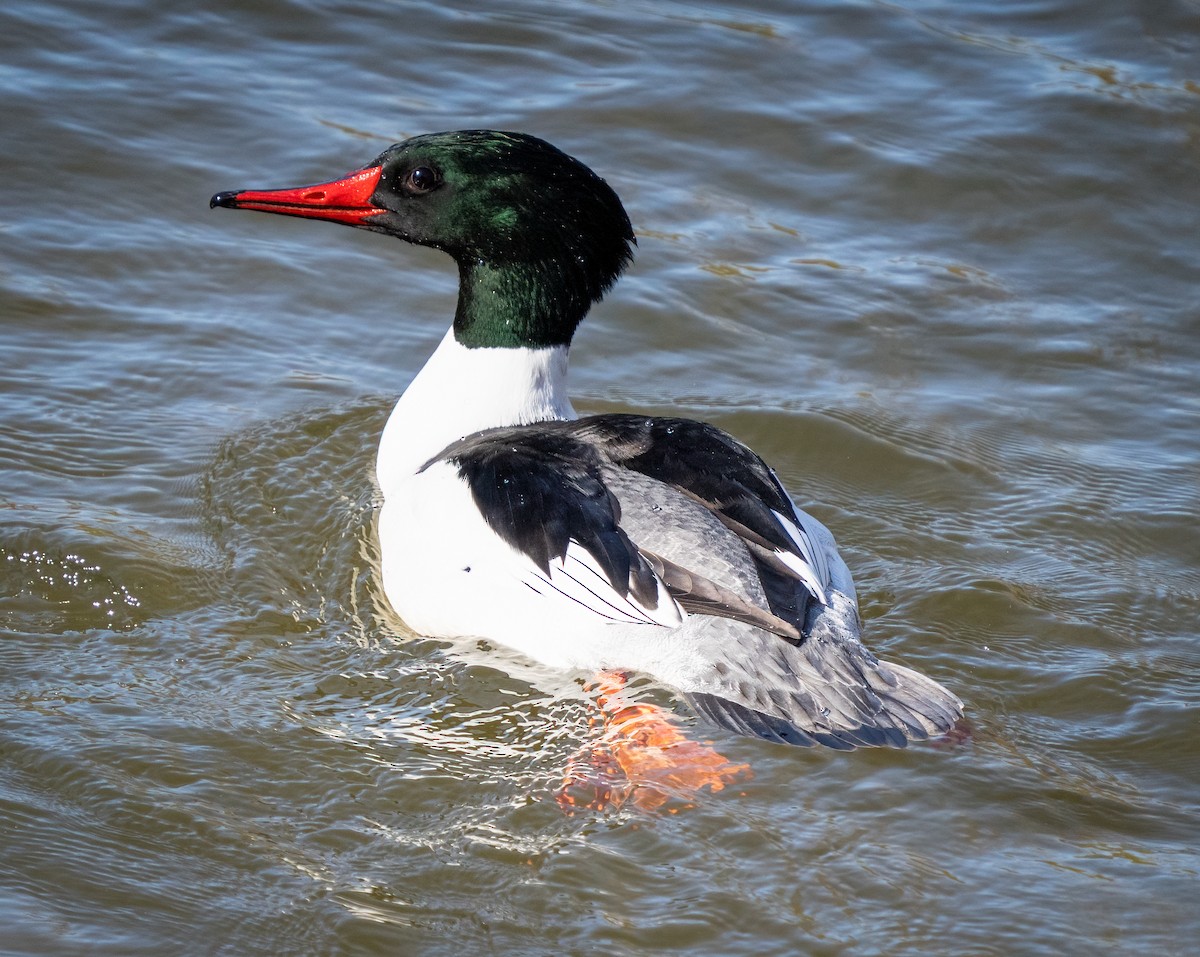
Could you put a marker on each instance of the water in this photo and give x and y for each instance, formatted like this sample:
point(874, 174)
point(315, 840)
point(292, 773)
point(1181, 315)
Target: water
point(937, 262)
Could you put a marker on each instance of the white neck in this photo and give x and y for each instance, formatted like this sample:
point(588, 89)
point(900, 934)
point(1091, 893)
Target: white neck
point(460, 391)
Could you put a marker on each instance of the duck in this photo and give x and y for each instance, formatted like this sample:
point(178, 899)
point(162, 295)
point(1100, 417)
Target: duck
point(608, 543)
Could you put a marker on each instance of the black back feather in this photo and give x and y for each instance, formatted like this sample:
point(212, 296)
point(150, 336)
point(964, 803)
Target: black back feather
point(539, 489)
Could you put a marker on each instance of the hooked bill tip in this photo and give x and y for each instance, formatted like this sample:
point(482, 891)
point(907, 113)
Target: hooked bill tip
point(227, 199)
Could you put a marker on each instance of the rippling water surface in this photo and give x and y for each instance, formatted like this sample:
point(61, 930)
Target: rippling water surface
point(938, 262)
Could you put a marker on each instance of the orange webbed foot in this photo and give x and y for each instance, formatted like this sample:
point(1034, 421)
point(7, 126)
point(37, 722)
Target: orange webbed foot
point(642, 756)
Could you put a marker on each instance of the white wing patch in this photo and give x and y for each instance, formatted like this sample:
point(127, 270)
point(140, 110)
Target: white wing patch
point(578, 577)
point(808, 562)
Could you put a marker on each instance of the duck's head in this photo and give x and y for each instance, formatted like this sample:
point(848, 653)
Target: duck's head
point(538, 237)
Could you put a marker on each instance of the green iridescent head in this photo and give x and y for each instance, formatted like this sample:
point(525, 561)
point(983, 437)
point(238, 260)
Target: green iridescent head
point(538, 237)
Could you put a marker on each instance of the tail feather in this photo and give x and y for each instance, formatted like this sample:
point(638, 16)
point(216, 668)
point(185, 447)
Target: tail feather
point(933, 710)
point(844, 699)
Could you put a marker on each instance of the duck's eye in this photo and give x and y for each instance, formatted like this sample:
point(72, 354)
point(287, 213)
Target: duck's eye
point(421, 180)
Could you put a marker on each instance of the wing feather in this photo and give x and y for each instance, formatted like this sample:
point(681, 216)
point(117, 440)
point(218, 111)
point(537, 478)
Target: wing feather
point(542, 489)
point(541, 492)
point(579, 577)
point(702, 596)
point(735, 484)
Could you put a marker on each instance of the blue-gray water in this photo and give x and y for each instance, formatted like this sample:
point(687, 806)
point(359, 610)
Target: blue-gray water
point(938, 262)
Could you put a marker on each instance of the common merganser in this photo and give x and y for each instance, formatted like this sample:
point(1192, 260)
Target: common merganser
point(609, 542)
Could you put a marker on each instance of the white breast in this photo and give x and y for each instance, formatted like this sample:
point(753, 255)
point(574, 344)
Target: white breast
point(461, 391)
